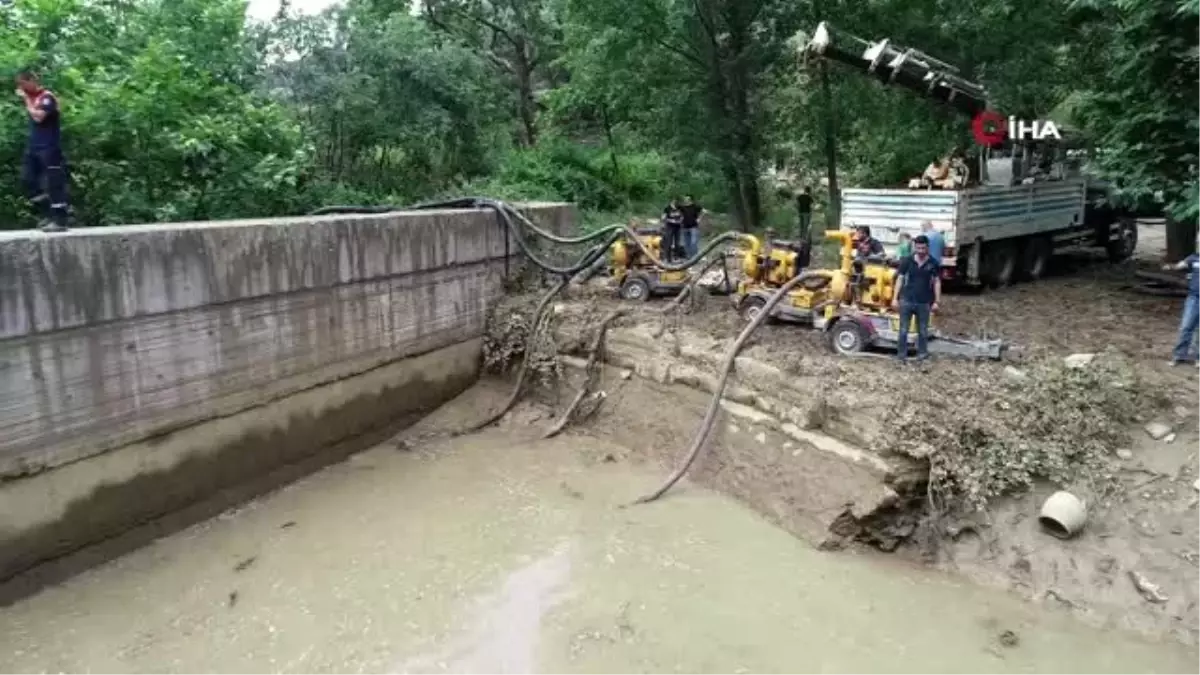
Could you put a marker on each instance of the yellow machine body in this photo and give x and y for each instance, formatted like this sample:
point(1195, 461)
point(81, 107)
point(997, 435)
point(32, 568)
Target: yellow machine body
point(628, 262)
point(772, 266)
point(626, 256)
point(862, 285)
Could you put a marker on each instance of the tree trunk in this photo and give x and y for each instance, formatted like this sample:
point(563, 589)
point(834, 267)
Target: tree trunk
point(526, 105)
point(745, 146)
point(612, 141)
point(832, 214)
point(733, 184)
point(1181, 239)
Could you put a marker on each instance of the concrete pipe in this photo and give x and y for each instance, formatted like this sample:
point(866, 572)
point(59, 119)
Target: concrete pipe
point(1063, 515)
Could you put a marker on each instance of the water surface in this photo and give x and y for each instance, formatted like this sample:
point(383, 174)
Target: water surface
point(486, 554)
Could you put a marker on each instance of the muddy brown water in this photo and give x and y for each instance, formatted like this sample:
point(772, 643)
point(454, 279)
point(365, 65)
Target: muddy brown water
point(492, 554)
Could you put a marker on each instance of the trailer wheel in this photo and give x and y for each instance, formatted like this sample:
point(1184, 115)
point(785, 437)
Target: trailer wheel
point(635, 289)
point(1001, 264)
point(750, 307)
point(1035, 258)
point(847, 337)
point(1121, 248)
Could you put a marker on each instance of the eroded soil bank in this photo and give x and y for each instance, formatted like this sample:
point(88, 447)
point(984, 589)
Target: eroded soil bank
point(498, 552)
point(841, 451)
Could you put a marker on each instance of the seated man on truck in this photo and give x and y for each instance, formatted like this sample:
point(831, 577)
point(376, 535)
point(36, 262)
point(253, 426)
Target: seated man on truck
point(934, 174)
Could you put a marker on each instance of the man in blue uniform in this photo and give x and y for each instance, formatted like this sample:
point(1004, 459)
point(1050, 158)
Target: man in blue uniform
point(44, 170)
point(1185, 350)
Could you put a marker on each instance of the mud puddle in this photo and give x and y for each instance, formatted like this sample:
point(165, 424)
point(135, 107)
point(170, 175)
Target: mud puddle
point(494, 554)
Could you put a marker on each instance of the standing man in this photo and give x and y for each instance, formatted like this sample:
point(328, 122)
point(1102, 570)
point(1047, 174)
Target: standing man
point(804, 212)
point(937, 243)
point(672, 220)
point(1185, 351)
point(691, 226)
point(44, 170)
point(918, 291)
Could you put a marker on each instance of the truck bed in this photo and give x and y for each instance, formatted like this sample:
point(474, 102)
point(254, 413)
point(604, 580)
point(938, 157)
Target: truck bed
point(987, 212)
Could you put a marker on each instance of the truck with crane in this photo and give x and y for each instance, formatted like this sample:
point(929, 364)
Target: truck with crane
point(1026, 199)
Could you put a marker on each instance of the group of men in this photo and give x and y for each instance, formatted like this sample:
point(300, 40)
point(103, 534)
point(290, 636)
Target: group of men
point(681, 229)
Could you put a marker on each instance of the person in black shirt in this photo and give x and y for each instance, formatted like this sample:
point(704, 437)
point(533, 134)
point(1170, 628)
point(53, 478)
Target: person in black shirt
point(804, 202)
point(691, 226)
point(918, 291)
point(672, 220)
point(43, 171)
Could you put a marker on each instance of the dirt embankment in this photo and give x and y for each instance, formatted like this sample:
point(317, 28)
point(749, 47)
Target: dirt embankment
point(947, 464)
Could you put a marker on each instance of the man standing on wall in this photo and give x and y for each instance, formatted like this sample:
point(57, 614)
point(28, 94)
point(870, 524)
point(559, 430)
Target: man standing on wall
point(44, 169)
point(691, 226)
point(1185, 351)
point(804, 202)
point(918, 291)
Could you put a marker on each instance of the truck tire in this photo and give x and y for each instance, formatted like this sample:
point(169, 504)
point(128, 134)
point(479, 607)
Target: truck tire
point(1122, 248)
point(1001, 265)
point(1035, 257)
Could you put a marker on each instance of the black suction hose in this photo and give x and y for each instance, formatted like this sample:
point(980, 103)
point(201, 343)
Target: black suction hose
point(506, 213)
point(714, 404)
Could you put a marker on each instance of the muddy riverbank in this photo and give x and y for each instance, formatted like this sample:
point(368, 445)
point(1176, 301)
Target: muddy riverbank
point(499, 553)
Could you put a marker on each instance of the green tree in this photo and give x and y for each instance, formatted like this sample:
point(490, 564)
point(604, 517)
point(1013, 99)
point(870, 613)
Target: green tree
point(159, 122)
point(519, 37)
point(1141, 108)
point(392, 111)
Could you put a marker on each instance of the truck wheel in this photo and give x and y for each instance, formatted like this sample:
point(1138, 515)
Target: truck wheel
point(635, 289)
point(1121, 248)
point(847, 337)
point(1001, 264)
point(750, 308)
point(1035, 258)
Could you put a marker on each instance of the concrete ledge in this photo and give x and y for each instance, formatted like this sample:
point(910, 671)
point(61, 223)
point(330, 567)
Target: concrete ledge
point(56, 512)
point(94, 275)
point(111, 336)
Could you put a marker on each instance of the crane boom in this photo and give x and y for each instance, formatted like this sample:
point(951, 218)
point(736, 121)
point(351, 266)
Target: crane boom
point(900, 67)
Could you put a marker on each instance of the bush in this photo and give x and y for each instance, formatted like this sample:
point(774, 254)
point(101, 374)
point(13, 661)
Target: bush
point(1057, 424)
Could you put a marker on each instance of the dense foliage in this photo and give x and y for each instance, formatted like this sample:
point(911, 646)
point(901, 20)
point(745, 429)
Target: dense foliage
point(181, 109)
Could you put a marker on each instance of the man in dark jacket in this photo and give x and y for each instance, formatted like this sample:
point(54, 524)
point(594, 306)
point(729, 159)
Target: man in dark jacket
point(672, 221)
point(690, 231)
point(804, 202)
point(44, 167)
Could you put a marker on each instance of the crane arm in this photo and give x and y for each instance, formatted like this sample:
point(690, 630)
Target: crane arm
point(900, 67)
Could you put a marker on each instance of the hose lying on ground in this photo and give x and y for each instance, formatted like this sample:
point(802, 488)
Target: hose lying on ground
point(506, 215)
point(691, 287)
point(524, 369)
point(589, 370)
point(714, 405)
